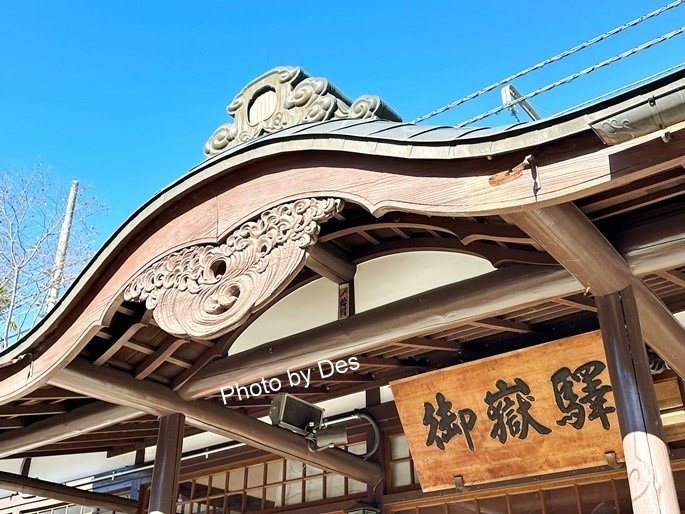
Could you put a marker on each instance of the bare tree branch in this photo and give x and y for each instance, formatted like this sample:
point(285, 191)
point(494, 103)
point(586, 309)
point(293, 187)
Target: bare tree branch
point(32, 205)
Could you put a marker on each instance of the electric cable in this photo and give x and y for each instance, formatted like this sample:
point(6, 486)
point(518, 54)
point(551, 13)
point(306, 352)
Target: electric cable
point(550, 60)
point(578, 74)
point(623, 88)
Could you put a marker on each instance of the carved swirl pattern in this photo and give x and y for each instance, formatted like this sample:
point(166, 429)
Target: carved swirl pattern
point(299, 99)
point(205, 291)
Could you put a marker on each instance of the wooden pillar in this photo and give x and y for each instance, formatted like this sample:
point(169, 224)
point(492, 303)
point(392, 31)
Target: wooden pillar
point(652, 488)
point(164, 485)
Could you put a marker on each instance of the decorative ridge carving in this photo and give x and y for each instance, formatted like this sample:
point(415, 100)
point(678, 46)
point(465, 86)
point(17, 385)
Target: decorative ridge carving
point(288, 96)
point(205, 291)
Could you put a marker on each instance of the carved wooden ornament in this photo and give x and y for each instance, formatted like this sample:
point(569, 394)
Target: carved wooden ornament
point(288, 96)
point(205, 291)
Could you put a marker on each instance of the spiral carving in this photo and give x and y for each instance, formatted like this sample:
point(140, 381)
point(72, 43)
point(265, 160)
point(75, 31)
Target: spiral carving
point(204, 291)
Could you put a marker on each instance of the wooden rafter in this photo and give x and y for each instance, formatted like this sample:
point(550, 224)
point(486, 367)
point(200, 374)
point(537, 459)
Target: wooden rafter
point(428, 344)
point(53, 393)
point(674, 276)
point(467, 231)
point(41, 409)
point(506, 325)
point(578, 302)
point(161, 354)
point(496, 254)
point(119, 343)
point(388, 363)
point(142, 348)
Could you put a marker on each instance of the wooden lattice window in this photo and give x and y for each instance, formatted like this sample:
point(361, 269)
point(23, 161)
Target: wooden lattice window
point(400, 467)
point(586, 496)
point(277, 484)
point(71, 509)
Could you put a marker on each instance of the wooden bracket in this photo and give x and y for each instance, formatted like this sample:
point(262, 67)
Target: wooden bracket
point(459, 484)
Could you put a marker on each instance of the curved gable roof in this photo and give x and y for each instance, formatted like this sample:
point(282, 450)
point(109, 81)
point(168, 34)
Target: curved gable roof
point(381, 165)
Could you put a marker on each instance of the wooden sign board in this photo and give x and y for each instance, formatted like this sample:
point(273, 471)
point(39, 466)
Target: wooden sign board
point(535, 411)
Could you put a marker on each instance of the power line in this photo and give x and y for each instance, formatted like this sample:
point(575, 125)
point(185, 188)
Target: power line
point(576, 75)
point(623, 88)
point(550, 60)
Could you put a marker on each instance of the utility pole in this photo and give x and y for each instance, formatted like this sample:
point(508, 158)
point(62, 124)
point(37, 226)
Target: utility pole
point(62, 244)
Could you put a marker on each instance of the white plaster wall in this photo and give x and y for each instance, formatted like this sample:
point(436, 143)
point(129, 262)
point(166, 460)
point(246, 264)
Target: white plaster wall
point(67, 468)
point(680, 316)
point(377, 282)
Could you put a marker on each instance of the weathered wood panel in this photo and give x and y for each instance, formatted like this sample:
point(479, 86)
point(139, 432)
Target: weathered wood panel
point(553, 412)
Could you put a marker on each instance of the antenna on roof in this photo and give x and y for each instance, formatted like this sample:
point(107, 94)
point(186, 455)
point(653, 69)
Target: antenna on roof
point(511, 98)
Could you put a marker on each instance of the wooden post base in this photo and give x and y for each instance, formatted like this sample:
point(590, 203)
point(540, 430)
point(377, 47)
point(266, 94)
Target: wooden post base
point(650, 477)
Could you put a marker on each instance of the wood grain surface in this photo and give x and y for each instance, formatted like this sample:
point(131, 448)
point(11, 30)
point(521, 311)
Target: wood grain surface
point(465, 386)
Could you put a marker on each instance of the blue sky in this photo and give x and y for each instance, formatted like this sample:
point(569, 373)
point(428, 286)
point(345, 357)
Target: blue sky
point(123, 95)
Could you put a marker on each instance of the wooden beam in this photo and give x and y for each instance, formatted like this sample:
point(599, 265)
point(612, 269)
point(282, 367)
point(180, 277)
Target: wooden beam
point(394, 323)
point(329, 263)
point(64, 426)
point(652, 247)
point(164, 484)
point(38, 409)
point(64, 493)
point(652, 488)
point(118, 387)
point(566, 233)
